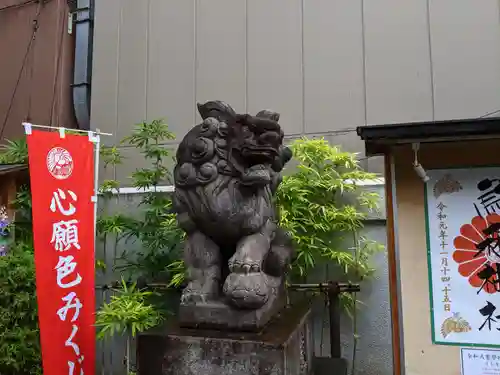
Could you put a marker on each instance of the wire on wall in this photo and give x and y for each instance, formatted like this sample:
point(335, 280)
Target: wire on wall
point(490, 113)
point(59, 54)
point(29, 48)
point(20, 5)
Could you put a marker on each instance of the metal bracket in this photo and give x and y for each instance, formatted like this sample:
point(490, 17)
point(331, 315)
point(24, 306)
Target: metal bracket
point(71, 20)
point(332, 291)
point(27, 128)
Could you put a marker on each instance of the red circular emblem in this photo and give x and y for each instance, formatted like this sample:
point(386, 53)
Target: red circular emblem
point(59, 163)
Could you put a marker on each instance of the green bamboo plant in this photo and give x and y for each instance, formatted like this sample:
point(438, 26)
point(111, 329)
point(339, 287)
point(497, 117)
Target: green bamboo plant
point(127, 313)
point(322, 206)
point(152, 227)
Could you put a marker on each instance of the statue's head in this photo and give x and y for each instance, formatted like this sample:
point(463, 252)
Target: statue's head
point(226, 143)
point(258, 139)
point(253, 139)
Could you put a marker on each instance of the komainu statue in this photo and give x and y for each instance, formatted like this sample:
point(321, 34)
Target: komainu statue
point(228, 169)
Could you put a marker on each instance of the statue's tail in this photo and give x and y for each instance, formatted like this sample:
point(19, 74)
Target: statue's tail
point(217, 109)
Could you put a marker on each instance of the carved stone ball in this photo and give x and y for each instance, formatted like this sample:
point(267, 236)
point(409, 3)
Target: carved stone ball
point(202, 150)
point(186, 174)
point(249, 291)
point(207, 172)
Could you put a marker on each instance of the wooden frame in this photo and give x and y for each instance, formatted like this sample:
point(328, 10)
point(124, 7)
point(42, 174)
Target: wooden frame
point(10, 181)
point(393, 272)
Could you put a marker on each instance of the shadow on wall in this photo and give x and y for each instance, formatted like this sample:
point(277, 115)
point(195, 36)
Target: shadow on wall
point(374, 346)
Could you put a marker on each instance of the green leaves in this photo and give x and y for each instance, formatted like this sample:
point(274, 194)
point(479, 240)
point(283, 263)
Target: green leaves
point(117, 224)
point(314, 207)
point(14, 152)
point(155, 228)
point(111, 156)
point(127, 313)
point(109, 187)
point(144, 178)
point(19, 334)
point(178, 271)
point(145, 134)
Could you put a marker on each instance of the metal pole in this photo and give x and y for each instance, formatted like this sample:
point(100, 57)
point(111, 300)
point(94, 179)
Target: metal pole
point(96, 181)
point(334, 312)
point(58, 127)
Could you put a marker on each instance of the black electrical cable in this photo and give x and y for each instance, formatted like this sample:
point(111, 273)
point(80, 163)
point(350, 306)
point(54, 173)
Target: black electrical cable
point(15, 6)
point(25, 59)
point(58, 68)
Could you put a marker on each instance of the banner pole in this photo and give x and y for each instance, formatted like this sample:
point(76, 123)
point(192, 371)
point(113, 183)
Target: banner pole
point(96, 180)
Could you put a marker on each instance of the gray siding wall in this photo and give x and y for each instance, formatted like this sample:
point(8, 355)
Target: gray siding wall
point(326, 65)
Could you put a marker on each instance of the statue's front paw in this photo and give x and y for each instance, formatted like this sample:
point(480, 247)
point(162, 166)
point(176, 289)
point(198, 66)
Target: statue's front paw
point(247, 291)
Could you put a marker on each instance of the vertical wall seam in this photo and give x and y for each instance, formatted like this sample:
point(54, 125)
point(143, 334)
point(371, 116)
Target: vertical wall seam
point(246, 56)
point(363, 56)
point(117, 124)
point(302, 63)
point(146, 83)
point(118, 53)
point(195, 56)
point(498, 10)
point(431, 66)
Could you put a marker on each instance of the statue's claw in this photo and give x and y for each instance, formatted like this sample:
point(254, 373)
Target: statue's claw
point(246, 265)
point(198, 293)
point(194, 297)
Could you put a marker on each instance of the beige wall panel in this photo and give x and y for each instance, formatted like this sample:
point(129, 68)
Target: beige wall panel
point(398, 80)
point(105, 71)
point(171, 92)
point(333, 65)
point(132, 65)
point(275, 60)
point(221, 52)
point(465, 40)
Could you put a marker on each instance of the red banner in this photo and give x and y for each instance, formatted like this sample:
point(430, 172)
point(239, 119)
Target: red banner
point(62, 185)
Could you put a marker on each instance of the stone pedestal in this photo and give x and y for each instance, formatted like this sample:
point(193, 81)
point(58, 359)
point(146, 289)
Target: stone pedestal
point(284, 347)
point(218, 315)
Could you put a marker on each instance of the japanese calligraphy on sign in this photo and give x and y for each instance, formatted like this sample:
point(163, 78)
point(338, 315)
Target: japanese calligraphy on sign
point(479, 361)
point(63, 225)
point(463, 237)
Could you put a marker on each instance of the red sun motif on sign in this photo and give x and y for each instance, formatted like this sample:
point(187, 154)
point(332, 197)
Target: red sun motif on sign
point(477, 252)
point(59, 163)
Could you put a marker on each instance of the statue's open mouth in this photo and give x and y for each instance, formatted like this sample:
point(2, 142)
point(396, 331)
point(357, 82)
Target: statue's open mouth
point(259, 151)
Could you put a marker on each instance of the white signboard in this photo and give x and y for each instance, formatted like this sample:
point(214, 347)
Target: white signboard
point(463, 251)
point(479, 361)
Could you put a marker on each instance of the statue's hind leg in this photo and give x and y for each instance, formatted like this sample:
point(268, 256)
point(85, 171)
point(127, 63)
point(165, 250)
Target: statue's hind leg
point(202, 258)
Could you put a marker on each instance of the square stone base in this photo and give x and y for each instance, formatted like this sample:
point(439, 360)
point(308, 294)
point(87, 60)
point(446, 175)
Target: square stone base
point(219, 316)
point(284, 347)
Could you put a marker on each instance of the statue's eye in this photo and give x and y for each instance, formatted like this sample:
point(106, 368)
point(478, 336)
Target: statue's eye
point(247, 133)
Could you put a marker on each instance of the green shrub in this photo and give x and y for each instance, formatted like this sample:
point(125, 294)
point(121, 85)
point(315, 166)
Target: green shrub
point(19, 335)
